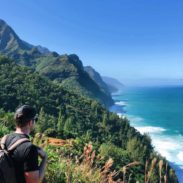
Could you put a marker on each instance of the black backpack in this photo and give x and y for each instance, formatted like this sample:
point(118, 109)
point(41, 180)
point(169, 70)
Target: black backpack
point(7, 172)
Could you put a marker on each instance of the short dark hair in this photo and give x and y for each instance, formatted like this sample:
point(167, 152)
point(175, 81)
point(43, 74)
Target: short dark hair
point(23, 115)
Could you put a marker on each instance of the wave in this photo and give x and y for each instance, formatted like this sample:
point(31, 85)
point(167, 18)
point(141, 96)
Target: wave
point(120, 114)
point(118, 107)
point(167, 145)
point(134, 120)
point(121, 103)
point(170, 146)
point(180, 156)
point(150, 129)
point(166, 142)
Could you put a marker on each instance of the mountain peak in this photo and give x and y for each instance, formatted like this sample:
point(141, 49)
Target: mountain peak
point(65, 69)
point(9, 41)
point(2, 22)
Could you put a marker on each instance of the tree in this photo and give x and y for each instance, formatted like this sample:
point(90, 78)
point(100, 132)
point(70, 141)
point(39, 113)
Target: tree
point(137, 150)
point(60, 123)
point(41, 125)
point(68, 128)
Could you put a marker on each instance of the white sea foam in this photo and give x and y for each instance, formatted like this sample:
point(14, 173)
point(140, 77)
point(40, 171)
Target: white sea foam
point(180, 156)
point(135, 119)
point(170, 147)
point(150, 129)
point(120, 114)
point(166, 144)
point(121, 103)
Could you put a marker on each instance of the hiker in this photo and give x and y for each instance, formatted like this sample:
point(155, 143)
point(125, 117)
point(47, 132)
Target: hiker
point(25, 156)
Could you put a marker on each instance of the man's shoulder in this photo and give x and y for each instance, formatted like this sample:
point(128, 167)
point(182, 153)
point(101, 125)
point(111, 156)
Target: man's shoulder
point(22, 151)
point(23, 148)
point(18, 135)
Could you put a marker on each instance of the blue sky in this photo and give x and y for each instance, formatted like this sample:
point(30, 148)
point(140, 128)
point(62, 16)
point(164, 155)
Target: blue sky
point(127, 39)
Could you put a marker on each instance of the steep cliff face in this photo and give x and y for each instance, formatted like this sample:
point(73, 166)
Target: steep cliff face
point(68, 70)
point(113, 84)
point(98, 79)
point(9, 40)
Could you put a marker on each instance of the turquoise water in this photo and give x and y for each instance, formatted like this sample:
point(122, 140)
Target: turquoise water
point(159, 112)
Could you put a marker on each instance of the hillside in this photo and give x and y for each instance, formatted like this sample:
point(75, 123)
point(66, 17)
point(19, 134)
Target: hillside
point(113, 84)
point(97, 78)
point(65, 69)
point(64, 114)
point(29, 87)
point(10, 42)
point(68, 71)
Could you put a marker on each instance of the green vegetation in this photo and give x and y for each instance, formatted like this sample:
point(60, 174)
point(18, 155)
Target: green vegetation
point(64, 114)
point(67, 70)
point(77, 161)
point(95, 76)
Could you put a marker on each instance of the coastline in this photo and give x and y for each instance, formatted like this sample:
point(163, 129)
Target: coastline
point(119, 108)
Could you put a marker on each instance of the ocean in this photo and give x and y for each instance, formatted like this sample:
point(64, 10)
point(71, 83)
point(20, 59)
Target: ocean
point(159, 112)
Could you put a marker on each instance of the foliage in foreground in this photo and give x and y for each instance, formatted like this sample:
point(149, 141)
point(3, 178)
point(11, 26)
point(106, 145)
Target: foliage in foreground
point(91, 165)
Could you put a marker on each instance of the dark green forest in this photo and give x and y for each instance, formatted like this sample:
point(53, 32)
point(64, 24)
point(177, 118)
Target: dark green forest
point(66, 114)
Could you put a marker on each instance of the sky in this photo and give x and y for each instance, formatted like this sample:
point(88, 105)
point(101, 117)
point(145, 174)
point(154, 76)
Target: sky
point(131, 40)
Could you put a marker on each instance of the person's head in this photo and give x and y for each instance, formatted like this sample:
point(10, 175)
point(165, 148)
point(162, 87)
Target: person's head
point(25, 116)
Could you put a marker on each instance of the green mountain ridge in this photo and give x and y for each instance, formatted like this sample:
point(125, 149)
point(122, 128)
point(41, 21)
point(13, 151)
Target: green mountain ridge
point(113, 84)
point(64, 114)
point(10, 42)
point(65, 69)
point(68, 71)
point(97, 78)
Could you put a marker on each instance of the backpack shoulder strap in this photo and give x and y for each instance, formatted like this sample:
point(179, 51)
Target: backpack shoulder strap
point(3, 141)
point(17, 143)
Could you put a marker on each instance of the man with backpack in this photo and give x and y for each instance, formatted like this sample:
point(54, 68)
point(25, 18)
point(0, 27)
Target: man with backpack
point(21, 152)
